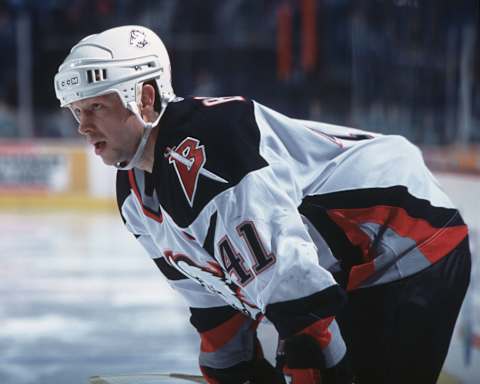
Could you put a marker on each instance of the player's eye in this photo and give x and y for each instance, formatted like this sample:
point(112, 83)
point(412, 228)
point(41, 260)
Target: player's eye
point(96, 106)
point(76, 112)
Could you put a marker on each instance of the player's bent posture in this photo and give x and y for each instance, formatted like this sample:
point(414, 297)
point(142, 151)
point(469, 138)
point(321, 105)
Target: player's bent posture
point(342, 238)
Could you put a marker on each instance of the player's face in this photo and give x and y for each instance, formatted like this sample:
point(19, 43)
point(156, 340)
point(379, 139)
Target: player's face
point(109, 127)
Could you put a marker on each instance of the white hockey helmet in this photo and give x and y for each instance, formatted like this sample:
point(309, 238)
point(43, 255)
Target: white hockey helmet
point(118, 60)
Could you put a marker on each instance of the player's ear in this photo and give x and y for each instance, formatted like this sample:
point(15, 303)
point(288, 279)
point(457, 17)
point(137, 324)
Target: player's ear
point(147, 100)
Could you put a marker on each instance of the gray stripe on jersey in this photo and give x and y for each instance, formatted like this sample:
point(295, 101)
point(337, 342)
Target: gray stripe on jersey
point(334, 351)
point(396, 256)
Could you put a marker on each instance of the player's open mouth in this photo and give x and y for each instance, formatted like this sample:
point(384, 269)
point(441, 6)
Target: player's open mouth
point(99, 147)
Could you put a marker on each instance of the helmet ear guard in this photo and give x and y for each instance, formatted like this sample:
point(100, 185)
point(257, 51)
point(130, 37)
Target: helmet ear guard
point(118, 60)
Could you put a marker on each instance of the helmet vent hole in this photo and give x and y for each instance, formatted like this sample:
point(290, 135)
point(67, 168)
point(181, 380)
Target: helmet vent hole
point(90, 76)
point(95, 75)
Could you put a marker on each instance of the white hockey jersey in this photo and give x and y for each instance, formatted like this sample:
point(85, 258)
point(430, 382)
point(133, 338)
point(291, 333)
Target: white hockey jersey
point(246, 208)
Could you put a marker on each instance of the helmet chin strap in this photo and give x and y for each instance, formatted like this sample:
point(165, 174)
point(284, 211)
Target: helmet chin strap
point(147, 130)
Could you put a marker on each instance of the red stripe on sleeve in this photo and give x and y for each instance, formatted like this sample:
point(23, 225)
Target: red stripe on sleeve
point(359, 273)
point(217, 337)
point(319, 331)
point(443, 243)
point(352, 231)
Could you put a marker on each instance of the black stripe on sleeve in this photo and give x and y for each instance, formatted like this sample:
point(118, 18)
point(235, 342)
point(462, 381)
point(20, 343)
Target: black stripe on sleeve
point(341, 247)
point(208, 244)
point(290, 317)
point(205, 319)
point(122, 190)
point(169, 272)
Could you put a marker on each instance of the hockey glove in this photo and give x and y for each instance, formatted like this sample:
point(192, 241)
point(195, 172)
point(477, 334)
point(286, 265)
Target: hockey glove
point(301, 359)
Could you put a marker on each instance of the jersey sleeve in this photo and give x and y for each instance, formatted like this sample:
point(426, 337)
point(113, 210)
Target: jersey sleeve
point(229, 347)
point(228, 337)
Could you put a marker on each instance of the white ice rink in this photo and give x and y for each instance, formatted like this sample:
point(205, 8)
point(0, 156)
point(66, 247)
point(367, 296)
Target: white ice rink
point(79, 296)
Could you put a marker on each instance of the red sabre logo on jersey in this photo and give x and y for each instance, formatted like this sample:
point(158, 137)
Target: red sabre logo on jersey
point(188, 170)
point(188, 159)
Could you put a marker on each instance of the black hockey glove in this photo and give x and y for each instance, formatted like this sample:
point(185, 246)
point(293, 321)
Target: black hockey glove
point(300, 358)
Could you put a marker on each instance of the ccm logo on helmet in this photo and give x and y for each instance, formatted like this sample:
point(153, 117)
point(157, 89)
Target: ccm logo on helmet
point(138, 38)
point(68, 82)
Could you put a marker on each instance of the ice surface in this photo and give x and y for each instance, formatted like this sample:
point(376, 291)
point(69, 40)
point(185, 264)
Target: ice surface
point(80, 297)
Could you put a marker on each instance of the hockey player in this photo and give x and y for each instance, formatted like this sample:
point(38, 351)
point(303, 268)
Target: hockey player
point(341, 238)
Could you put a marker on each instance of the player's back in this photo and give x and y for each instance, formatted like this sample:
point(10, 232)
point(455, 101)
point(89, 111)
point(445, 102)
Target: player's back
point(370, 197)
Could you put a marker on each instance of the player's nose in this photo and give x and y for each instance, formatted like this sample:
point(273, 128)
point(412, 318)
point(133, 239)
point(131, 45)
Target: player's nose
point(85, 125)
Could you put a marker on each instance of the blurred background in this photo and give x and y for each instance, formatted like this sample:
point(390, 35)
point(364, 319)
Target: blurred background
point(77, 295)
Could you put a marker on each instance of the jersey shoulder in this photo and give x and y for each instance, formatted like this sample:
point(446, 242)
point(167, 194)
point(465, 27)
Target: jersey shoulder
point(216, 120)
point(205, 146)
